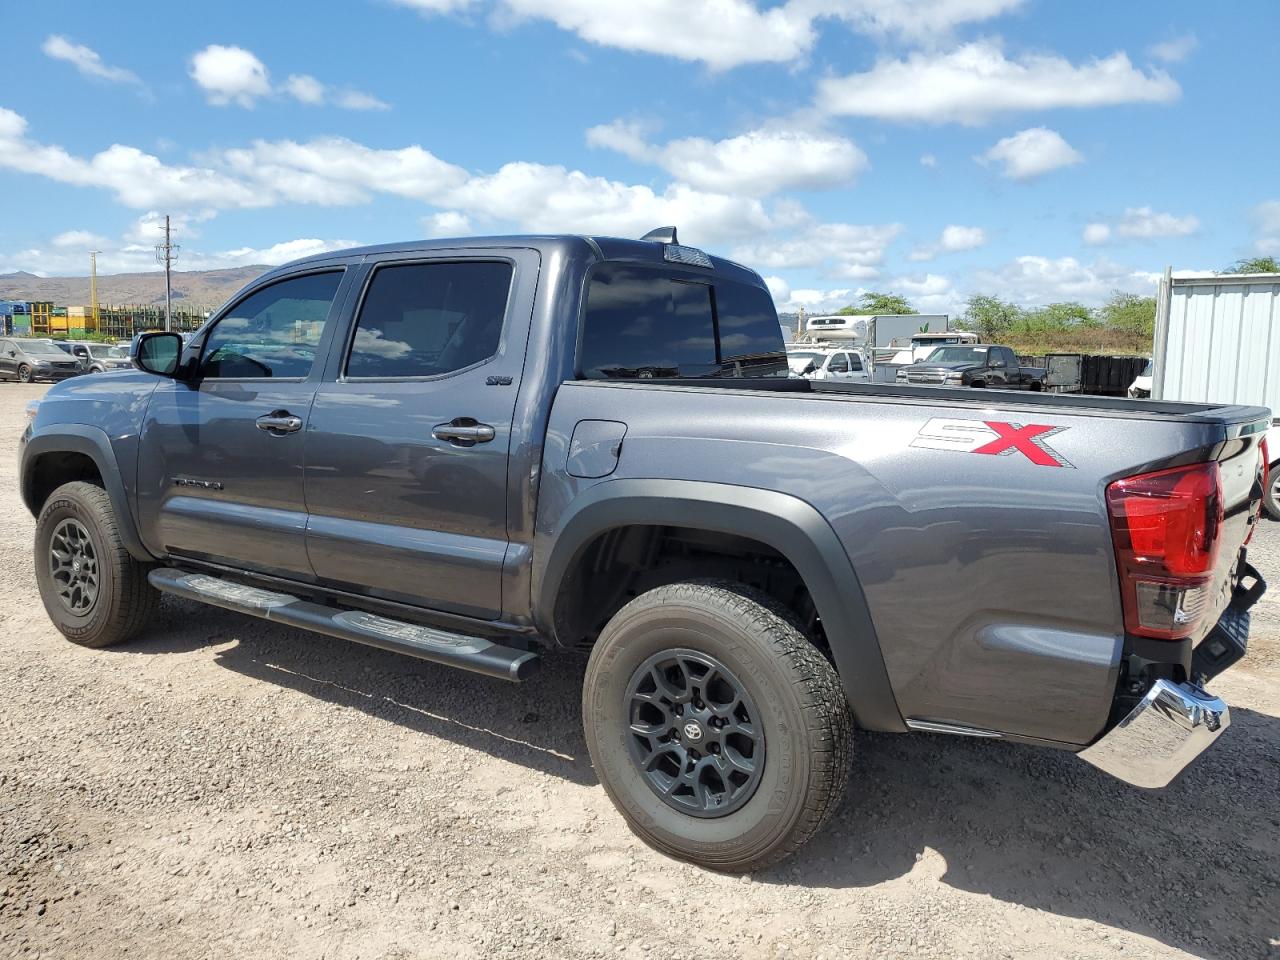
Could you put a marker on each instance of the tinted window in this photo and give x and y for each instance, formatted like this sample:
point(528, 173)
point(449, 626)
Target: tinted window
point(274, 332)
point(645, 323)
point(750, 337)
point(427, 319)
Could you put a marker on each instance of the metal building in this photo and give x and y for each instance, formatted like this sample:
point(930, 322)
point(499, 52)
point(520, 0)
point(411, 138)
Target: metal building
point(1218, 340)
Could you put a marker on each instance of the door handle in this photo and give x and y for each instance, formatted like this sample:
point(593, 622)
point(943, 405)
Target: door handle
point(279, 422)
point(464, 431)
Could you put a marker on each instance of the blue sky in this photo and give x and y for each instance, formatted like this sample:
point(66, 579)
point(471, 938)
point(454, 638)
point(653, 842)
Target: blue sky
point(1035, 150)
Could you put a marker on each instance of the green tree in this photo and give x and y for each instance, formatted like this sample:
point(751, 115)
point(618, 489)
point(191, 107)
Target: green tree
point(1055, 316)
point(990, 317)
point(1129, 313)
point(878, 304)
point(1255, 265)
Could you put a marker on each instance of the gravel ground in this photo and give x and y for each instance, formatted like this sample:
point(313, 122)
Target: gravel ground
point(225, 788)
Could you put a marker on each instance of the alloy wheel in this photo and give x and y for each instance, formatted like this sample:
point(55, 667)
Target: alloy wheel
point(695, 734)
point(73, 564)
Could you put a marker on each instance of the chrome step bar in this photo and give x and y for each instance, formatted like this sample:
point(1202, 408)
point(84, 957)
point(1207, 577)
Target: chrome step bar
point(426, 643)
point(955, 729)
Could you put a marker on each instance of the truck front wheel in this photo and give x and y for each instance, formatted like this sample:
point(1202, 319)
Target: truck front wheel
point(721, 734)
point(94, 591)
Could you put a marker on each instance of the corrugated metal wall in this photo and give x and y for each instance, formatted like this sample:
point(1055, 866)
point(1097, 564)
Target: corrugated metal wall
point(1218, 340)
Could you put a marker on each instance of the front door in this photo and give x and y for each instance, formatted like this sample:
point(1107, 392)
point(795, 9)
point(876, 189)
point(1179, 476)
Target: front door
point(220, 470)
point(408, 437)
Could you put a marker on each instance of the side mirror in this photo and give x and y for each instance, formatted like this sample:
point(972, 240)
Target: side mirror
point(158, 353)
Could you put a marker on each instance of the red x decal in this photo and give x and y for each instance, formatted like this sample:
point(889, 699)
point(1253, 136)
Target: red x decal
point(1021, 439)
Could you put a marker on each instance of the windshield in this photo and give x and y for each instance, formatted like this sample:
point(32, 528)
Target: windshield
point(103, 351)
point(1146, 371)
point(37, 348)
point(958, 355)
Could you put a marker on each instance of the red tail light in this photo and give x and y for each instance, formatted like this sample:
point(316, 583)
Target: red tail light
point(1166, 530)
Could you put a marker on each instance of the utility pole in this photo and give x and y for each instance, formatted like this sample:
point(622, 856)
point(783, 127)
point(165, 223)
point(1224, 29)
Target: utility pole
point(166, 253)
point(93, 287)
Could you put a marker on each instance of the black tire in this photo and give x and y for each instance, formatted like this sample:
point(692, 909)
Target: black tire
point(124, 601)
point(1271, 498)
point(805, 719)
point(24, 374)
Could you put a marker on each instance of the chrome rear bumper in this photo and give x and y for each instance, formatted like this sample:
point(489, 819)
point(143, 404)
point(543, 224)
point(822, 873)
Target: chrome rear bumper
point(1174, 724)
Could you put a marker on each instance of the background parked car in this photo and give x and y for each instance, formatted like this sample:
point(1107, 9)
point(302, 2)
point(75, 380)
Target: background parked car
point(974, 365)
point(825, 364)
point(100, 357)
point(31, 360)
point(1140, 389)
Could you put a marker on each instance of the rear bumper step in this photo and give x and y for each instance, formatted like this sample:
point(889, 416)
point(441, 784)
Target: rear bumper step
point(426, 643)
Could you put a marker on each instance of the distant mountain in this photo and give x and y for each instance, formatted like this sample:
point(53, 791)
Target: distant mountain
point(206, 289)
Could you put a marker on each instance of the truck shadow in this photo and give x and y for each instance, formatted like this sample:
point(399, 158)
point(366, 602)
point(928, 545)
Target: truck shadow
point(536, 723)
point(1192, 866)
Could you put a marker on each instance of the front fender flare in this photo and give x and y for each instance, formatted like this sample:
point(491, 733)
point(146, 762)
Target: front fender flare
point(94, 443)
point(787, 524)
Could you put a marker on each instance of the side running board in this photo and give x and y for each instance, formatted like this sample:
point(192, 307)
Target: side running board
point(426, 643)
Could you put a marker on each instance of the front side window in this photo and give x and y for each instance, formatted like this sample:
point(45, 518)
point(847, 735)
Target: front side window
point(430, 319)
point(274, 332)
point(643, 323)
point(839, 364)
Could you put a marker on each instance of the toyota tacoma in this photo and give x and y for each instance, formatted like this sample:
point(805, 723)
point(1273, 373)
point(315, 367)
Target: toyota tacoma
point(469, 451)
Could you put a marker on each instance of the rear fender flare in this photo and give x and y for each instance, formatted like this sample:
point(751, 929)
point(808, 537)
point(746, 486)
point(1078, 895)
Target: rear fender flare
point(787, 524)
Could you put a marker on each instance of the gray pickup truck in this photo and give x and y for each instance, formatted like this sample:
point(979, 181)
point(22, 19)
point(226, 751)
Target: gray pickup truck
point(974, 365)
point(469, 451)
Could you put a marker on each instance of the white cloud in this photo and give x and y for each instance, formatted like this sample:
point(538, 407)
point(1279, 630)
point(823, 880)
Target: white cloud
point(1145, 223)
point(779, 289)
point(846, 250)
point(1096, 234)
point(928, 161)
point(136, 179)
point(447, 223)
point(931, 293)
point(954, 239)
point(757, 163)
point(86, 60)
point(816, 302)
point(305, 88)
point(355, 100)
point(976, 82)
point(1031, 153)
point(234, 75)
point(149, 228)
point(1175, 50)
point(230, 75)
point(1266, 220)
point(727, 33)
point(1035, 281)
point(719, 33)
point(78, 238)
point(437, 6)
point(275, 254)
point(915, 20)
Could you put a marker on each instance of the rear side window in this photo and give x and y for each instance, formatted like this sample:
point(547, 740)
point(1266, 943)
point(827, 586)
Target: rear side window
point(429, 319)
point(273, 332)
point(642, 323)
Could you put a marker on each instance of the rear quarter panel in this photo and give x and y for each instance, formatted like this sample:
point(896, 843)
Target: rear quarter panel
point(990, 579)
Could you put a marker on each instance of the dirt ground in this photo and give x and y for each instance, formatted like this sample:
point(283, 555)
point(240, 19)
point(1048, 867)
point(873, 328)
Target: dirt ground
point(224, 788)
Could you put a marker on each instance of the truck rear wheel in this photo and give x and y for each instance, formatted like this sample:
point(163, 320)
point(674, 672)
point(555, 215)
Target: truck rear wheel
point(721, 734)
point(93, 589)
point(1271, 498)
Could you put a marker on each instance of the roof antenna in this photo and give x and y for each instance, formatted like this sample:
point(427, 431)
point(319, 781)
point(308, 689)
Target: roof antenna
point(662, 235)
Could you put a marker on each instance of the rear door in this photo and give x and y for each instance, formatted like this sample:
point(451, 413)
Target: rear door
point(220, 463)
point(8, 360)
point(407, 442)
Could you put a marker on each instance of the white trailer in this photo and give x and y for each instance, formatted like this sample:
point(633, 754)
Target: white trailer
point(1217, 340)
